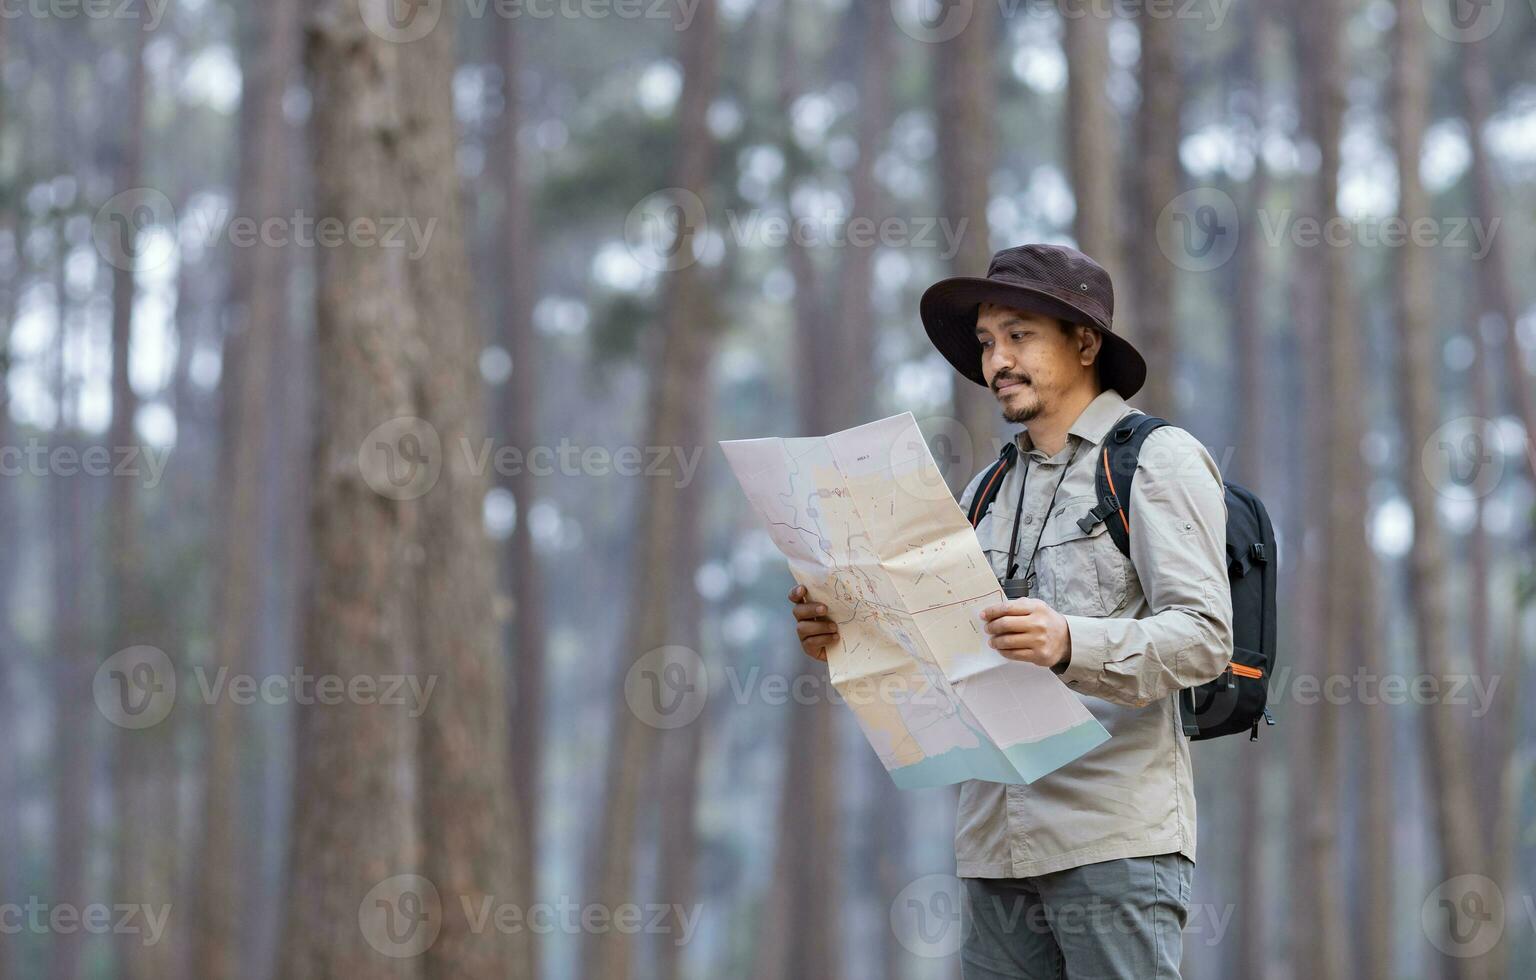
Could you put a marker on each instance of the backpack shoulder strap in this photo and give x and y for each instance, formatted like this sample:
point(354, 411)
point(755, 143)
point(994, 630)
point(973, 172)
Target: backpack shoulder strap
point(1115, 471)
point(991, 483)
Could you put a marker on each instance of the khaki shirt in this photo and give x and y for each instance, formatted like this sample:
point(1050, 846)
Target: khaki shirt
point(1141, 630)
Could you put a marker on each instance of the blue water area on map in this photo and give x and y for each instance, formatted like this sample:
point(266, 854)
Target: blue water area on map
point(1022, 763)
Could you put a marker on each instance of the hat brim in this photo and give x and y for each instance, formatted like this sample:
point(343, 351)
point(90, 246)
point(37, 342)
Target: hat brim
point(948, 310)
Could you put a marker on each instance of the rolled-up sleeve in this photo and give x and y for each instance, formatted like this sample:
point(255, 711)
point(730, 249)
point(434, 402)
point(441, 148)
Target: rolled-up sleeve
point(1178, 518)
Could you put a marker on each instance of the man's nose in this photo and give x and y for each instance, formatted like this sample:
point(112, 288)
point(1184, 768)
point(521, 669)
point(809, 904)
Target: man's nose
point(998, 360)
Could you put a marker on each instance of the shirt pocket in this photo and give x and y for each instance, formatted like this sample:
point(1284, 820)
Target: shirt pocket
point(1081, 573)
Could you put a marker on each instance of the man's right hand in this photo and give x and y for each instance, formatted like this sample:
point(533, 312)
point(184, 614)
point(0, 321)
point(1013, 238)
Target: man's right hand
point(817, 631)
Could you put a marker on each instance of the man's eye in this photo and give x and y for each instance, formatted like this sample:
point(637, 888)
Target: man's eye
point(1017, 336)
point(985, 344)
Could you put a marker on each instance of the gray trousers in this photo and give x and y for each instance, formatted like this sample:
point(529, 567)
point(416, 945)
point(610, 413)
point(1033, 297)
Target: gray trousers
point(1122, 918)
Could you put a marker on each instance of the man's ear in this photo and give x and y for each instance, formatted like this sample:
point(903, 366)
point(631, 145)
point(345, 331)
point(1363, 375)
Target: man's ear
point(1088, 343)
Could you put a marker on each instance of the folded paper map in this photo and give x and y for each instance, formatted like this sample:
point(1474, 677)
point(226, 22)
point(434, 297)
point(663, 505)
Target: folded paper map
point(873, 533)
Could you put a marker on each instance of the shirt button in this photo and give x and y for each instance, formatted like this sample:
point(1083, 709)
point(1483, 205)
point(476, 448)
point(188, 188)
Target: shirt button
point(1030, 519)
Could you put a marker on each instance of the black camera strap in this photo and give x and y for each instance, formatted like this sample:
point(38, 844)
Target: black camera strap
point(1018, 510)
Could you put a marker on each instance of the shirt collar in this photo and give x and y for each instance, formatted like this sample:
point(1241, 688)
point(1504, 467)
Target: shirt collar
point(1091, 425)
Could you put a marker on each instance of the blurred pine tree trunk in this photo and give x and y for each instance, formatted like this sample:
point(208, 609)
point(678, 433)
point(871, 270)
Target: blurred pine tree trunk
point(11, 654)
point(965, 98)
point(682, 354)
point(1310, 491)
point(1497, 291)
point(144, 772)
point(798, 922)
point(354, 823)
point(71, 668)
point(1344, 574)
point(9, 645)
point(1256, 386)
point(801, 917)
point(682, 749)
point(1450, 784)
point(472, 836)
point(516, 424)
point(1157, 161)
point(1093, 147)
point(70, 663)
point(1374, 952)
point(1496, 297)
point(259, 300)
point(870, 30)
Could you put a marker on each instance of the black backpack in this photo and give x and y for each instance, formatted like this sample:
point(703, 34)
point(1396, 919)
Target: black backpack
point(1235, 701)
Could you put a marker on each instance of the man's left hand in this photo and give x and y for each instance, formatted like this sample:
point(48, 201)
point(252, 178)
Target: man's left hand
point(1029, 630)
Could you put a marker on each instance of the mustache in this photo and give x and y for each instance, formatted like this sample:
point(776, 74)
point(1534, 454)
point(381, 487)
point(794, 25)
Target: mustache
point(999, 379)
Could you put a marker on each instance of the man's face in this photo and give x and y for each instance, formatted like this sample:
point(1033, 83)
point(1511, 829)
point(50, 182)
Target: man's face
point(1029, 361)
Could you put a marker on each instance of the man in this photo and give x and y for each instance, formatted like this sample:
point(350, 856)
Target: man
point(1087, 871)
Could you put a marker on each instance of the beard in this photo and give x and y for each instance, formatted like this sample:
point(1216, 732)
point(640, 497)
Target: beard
point(1024, 413)
point(1031, 404)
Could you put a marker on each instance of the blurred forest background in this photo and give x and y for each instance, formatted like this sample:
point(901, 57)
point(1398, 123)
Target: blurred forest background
point(377, 602)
